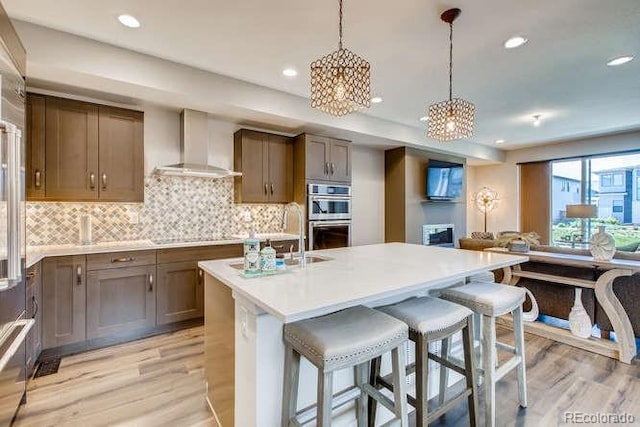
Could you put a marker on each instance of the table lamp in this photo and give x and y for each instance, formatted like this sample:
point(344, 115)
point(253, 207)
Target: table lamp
point(602, 244)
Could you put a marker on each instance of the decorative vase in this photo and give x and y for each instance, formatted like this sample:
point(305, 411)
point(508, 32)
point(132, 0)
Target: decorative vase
point(579, 321)
point(602, 245)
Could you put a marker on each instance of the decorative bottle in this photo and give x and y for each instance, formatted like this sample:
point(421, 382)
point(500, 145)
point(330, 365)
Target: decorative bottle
point(579, 321)
point(602, 245)
point(252, 254)
point(268, 258)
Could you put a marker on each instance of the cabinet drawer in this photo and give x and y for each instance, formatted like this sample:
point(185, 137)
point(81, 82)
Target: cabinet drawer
point(120, 259)
point(200, 253)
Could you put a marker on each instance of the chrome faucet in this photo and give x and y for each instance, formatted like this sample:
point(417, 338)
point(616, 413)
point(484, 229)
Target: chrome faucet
point(285, 214)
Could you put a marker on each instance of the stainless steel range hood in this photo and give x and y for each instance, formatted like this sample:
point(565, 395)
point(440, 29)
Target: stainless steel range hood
point(194, 149)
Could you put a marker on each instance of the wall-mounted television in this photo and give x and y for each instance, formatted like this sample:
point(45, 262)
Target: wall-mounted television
point(444, 180)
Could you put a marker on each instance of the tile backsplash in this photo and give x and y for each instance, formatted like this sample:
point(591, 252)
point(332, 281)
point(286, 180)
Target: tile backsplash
point(174, 207)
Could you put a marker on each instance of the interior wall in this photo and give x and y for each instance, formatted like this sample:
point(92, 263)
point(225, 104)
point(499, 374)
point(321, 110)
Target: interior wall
point(368, 195)
point(504, 177)
point(420, 212)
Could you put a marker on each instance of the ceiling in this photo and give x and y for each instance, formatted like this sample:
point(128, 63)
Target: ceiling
point(560, 73)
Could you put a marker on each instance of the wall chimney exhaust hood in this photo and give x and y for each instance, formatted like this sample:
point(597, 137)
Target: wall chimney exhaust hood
point(194, 149)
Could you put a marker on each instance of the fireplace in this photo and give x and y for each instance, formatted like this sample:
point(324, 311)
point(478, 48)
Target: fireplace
point(438, 235)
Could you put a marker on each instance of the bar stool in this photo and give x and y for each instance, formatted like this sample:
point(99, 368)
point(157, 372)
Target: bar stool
point(491, 300)
point(348, 338)
point(431, 319)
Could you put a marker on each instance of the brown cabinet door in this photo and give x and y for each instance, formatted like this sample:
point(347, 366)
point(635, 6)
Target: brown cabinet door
point(35, 134)
point(120, 300)
point(250, 157)
point(340, 161)
point(180, 292)
point(121, 155)
point(71, 154)
point(34, 301)
point(280, 165)
point(317, 154)
point(64, 301)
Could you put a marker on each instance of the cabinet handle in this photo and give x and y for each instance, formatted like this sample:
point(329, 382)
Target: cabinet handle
point(37, 179)
point(200, 276)
point(272, 188)
point(34, 305)
point(104, 181)
point(92, 181)
point(150, 282)
point(266, 189)
point(79, 275)
point(332, 167)
point(326, 168)
point(127, 259)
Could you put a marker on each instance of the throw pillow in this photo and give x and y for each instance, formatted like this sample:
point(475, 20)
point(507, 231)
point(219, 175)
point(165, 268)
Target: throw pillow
point(482, 235)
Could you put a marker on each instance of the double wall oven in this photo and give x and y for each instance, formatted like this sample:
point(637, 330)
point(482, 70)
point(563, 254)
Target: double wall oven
point(329, 208)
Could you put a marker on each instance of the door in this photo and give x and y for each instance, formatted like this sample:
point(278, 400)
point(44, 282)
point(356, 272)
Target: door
point(340, 161)
point(329, 234)
point(64, 299)
point(71, 154)
point(316, 158)
point(180, 292)
point(34, 302)
point(35, 134)
point(250, 156)
point(280, 165)
point(121, 155)
point(120, 300)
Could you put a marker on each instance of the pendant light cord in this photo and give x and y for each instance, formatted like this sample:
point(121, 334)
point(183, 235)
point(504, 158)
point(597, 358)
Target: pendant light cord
point(340, 26)
point(450, 60)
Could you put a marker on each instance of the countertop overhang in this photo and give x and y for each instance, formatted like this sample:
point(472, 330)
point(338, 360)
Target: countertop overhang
point(355, 275)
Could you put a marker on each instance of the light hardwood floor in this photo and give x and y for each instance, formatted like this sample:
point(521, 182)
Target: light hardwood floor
point(160, 381)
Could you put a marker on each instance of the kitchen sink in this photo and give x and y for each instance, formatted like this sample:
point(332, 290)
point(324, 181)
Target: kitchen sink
point(311, 259)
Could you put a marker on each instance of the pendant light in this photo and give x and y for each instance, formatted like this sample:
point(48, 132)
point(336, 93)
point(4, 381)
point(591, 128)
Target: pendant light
point(340, 81)
point(451, 119)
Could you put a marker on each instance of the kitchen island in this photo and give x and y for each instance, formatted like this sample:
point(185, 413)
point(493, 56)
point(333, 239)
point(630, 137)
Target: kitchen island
point(244, 349)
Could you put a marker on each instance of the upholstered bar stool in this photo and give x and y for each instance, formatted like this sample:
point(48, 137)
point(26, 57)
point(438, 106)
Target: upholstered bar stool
point(491, 300)
point(431, 319)
point(348, 338)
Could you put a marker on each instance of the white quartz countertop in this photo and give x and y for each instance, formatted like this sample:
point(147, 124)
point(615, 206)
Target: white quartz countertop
point(355, 275)
point(37, 253)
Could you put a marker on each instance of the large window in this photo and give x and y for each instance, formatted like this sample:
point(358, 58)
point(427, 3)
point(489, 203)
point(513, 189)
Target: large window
point(612, 184)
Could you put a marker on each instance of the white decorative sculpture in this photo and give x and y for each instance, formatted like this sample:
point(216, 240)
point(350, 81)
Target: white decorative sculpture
point(602, 245)
point(531, 315)
point(579, 321)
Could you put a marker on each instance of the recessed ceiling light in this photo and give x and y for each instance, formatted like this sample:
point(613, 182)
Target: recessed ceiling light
point(620, 60)
point(289, 72)
point(536, 120)
point(514, 42)
point(499, 141)
point(424, 118)
point(129, 21)
point(376, 100)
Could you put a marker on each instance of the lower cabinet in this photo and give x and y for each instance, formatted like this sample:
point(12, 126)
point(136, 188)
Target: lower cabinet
point(120, 300)
point(64, 301)
point(34, 311)
point(180, 292)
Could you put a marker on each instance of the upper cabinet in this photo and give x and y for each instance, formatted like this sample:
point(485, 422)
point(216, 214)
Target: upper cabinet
point(324, 159)
point(266, 163)
point(35, 134)
point(78, 151)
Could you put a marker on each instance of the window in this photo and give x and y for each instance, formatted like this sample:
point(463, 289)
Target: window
point(617, 206)
point(611, 183)
point(612, 179)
